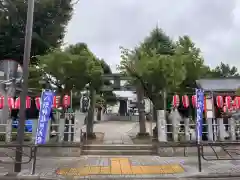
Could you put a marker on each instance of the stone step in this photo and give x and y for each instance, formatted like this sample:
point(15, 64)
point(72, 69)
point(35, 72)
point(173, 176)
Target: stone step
point(118, 147)
point(117, 152)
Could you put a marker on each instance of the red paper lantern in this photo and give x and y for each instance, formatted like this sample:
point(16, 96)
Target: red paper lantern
point(28, 103)
point(237, 102)
point(1, 102)
point(11, 103)
point(66, 101)
point(194, 101)
point(219, 100)
point(56, 102)
point(185, 101)
point(225, 109)
point(37, 102)
point(17, 103)
point(228, 102)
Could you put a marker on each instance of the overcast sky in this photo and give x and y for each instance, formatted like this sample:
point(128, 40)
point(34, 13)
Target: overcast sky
point(107, 24)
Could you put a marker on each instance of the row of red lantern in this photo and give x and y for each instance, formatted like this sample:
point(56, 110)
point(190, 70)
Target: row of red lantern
point(56, 101)
point(16, 104)
point(185, 101)
point(228, 104)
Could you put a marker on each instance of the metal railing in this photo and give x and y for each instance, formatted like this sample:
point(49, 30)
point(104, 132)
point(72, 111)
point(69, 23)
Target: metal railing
point(227, 147)
point(230, 150)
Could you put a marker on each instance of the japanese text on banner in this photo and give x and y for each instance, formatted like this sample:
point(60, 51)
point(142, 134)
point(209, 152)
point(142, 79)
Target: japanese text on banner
point(200, 106)
point(44, 116)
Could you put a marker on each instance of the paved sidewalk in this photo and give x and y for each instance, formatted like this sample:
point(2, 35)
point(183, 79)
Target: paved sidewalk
point(126, 167)
point(115, 132)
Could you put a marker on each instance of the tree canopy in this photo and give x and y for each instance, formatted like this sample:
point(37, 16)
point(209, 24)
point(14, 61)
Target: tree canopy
point(224, 70)
point(71, 68)
point(157, 64)
point(50, 20)
point(160, 63)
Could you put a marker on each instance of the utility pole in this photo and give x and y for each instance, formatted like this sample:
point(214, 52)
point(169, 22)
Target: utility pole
point(23, 95)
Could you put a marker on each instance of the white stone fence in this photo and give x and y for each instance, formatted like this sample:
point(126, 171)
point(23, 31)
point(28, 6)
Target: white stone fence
point(70, 131)
point(59, 132)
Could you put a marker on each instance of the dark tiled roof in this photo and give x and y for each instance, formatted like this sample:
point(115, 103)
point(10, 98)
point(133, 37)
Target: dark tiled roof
point(220, 85)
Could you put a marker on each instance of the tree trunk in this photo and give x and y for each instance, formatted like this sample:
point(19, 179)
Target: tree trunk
point(90, 117)
point(141, 111)
point(99, 114)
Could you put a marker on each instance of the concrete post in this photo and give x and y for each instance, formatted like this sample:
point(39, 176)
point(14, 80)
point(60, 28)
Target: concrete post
point(215, 129)
point(161, 123)
point(175, 128)
point(186, 129)
point(79, 123)
point(8, 131)
point(69, 127)
point(210, 129)
point(48, 132)
point(61, 128)
point(221, 129)
point(232, 124)
point(34, 129)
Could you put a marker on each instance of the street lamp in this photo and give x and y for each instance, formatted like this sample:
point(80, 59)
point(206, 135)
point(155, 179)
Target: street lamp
point(23, 95)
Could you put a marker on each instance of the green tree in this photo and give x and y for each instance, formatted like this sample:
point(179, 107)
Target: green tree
point(108, 96)
point(224, 70)
point(105, 98)
point(50, 20)
point(147, 76)
point(73, 69)
point(193, 62)
point(157, 65)
point(155, 72)
point(238, 92)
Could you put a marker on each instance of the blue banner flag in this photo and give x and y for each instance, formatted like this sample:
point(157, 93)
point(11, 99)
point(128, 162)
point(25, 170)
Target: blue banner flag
point(44, 116)
point(200, 107)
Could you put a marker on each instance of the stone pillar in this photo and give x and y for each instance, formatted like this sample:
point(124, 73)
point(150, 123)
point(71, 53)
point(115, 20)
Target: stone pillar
point(215, 129)
point(69, 128)
point(8, 131)
point(221, 129)
point(6, 120)
point(175, 129)
point(210, 129)
point(232, 125)
point(48, 132)
point(34, 129)
point(161, 123)
point(61, 128)
point(79, 123)
point(186, 129)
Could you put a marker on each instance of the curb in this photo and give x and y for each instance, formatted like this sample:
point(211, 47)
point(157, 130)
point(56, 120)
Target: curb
point(202, 176)
point(7, 176)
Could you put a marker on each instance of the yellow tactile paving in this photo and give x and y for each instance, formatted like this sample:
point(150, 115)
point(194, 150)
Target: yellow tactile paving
point(105, 170)
point(177, 168)
point(126, 167)
point(84, 171)
point(121, 166)
point(95, 169)
point(115, 167)
point(137, 170)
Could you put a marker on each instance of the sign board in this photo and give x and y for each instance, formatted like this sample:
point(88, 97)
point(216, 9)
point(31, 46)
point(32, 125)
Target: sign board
point(44, 116)
point(200, 107)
